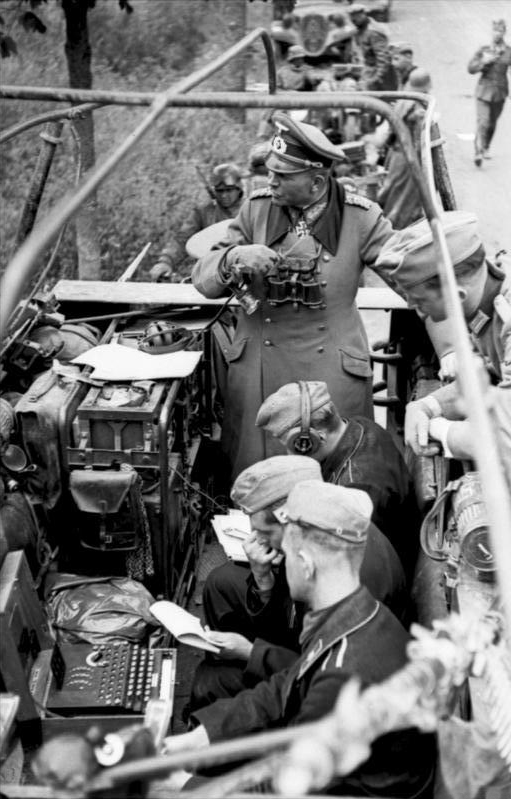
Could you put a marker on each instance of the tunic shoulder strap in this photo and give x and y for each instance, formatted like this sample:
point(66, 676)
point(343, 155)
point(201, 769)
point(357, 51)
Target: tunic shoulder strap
point(264, 191)
point(358, 200)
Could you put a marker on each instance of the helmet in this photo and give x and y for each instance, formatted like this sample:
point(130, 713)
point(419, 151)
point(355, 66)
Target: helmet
point(227, 174)
point(294, 52)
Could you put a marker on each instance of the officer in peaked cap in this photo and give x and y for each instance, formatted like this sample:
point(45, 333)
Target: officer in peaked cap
point(306, 214)
point(298, 147)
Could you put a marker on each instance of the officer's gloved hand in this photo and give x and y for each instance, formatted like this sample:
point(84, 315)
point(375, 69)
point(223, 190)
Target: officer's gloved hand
point(248, 260)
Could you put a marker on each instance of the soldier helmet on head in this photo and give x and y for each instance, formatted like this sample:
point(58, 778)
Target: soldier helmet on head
point(297, 147)
point(226, 175)
point(357, 8)
point(295, 53)
point(419, 80)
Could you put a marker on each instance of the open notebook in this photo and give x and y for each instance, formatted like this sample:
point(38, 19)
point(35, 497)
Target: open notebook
point(185, 627)
point(231, 530)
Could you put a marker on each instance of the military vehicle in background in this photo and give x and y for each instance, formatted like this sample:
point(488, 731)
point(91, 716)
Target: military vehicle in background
point(323, 28)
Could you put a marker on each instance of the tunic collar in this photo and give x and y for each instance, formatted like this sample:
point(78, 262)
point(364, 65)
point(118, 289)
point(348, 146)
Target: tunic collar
point(340, 619)
point(326, 229)
point(345, 449)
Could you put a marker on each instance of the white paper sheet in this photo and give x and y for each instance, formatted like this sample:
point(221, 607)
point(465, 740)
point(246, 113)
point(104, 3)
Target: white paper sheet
point(183, 625)
point(231, 530)
point(116, 362)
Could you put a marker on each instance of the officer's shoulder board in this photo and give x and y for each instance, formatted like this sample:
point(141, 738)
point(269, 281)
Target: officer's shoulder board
point(264, 191)
point(358, 200)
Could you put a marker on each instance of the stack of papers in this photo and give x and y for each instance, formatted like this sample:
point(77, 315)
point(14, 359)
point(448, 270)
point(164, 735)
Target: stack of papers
point(231, 530)
point(117, 362)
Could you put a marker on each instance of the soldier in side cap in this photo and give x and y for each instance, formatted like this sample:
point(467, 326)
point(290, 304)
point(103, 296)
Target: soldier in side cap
point(257, 624)
point(373, 44)
point(402, 61)
point(346, 633)
point(399, 196)
point(304, 218)
point(491, 62)
point(226, 194)
point(354, 452)
point(485, 293)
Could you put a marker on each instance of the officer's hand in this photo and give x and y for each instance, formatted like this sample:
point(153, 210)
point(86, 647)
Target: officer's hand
point(417, 420)
point(232, 645)
point(160, 272)
point(247, 261)
point(448, 366)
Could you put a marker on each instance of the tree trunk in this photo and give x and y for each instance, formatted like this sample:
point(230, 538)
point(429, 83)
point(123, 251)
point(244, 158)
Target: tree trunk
point(78, 55)
point(233, 75)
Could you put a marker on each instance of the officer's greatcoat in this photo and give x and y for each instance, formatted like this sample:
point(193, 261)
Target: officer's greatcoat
point(278, 345)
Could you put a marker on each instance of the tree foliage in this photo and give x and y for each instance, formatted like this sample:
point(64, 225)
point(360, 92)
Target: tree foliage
point(152, 193)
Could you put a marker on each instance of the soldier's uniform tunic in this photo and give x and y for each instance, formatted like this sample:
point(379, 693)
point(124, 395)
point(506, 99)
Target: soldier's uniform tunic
point(355, 636)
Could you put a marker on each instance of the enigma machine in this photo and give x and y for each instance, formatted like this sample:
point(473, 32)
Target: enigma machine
point(112, 468)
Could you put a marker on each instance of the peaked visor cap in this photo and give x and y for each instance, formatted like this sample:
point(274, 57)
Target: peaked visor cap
point(343, 512)
point(412, 254)
point(270, 481)
point(297, 147)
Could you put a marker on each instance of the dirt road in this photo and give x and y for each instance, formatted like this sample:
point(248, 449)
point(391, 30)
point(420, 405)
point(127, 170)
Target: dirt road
point(445, 34)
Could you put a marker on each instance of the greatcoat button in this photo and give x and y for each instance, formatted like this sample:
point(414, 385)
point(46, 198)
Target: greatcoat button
point(321, 349)
point(321, 327)
point(268, 320)
point(326, 257)
point(267, 343)
point(323, 284)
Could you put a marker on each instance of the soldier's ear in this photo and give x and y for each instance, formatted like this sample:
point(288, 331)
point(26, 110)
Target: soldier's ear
point(308, 565)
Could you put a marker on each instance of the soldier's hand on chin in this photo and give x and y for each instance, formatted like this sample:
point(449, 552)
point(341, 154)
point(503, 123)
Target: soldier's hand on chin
point(250, 260)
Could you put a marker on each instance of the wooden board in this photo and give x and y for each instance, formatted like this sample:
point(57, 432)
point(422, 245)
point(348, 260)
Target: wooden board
point(103, 291)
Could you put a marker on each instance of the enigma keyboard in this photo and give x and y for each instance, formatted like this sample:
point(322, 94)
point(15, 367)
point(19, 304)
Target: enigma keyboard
point(110, 678)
